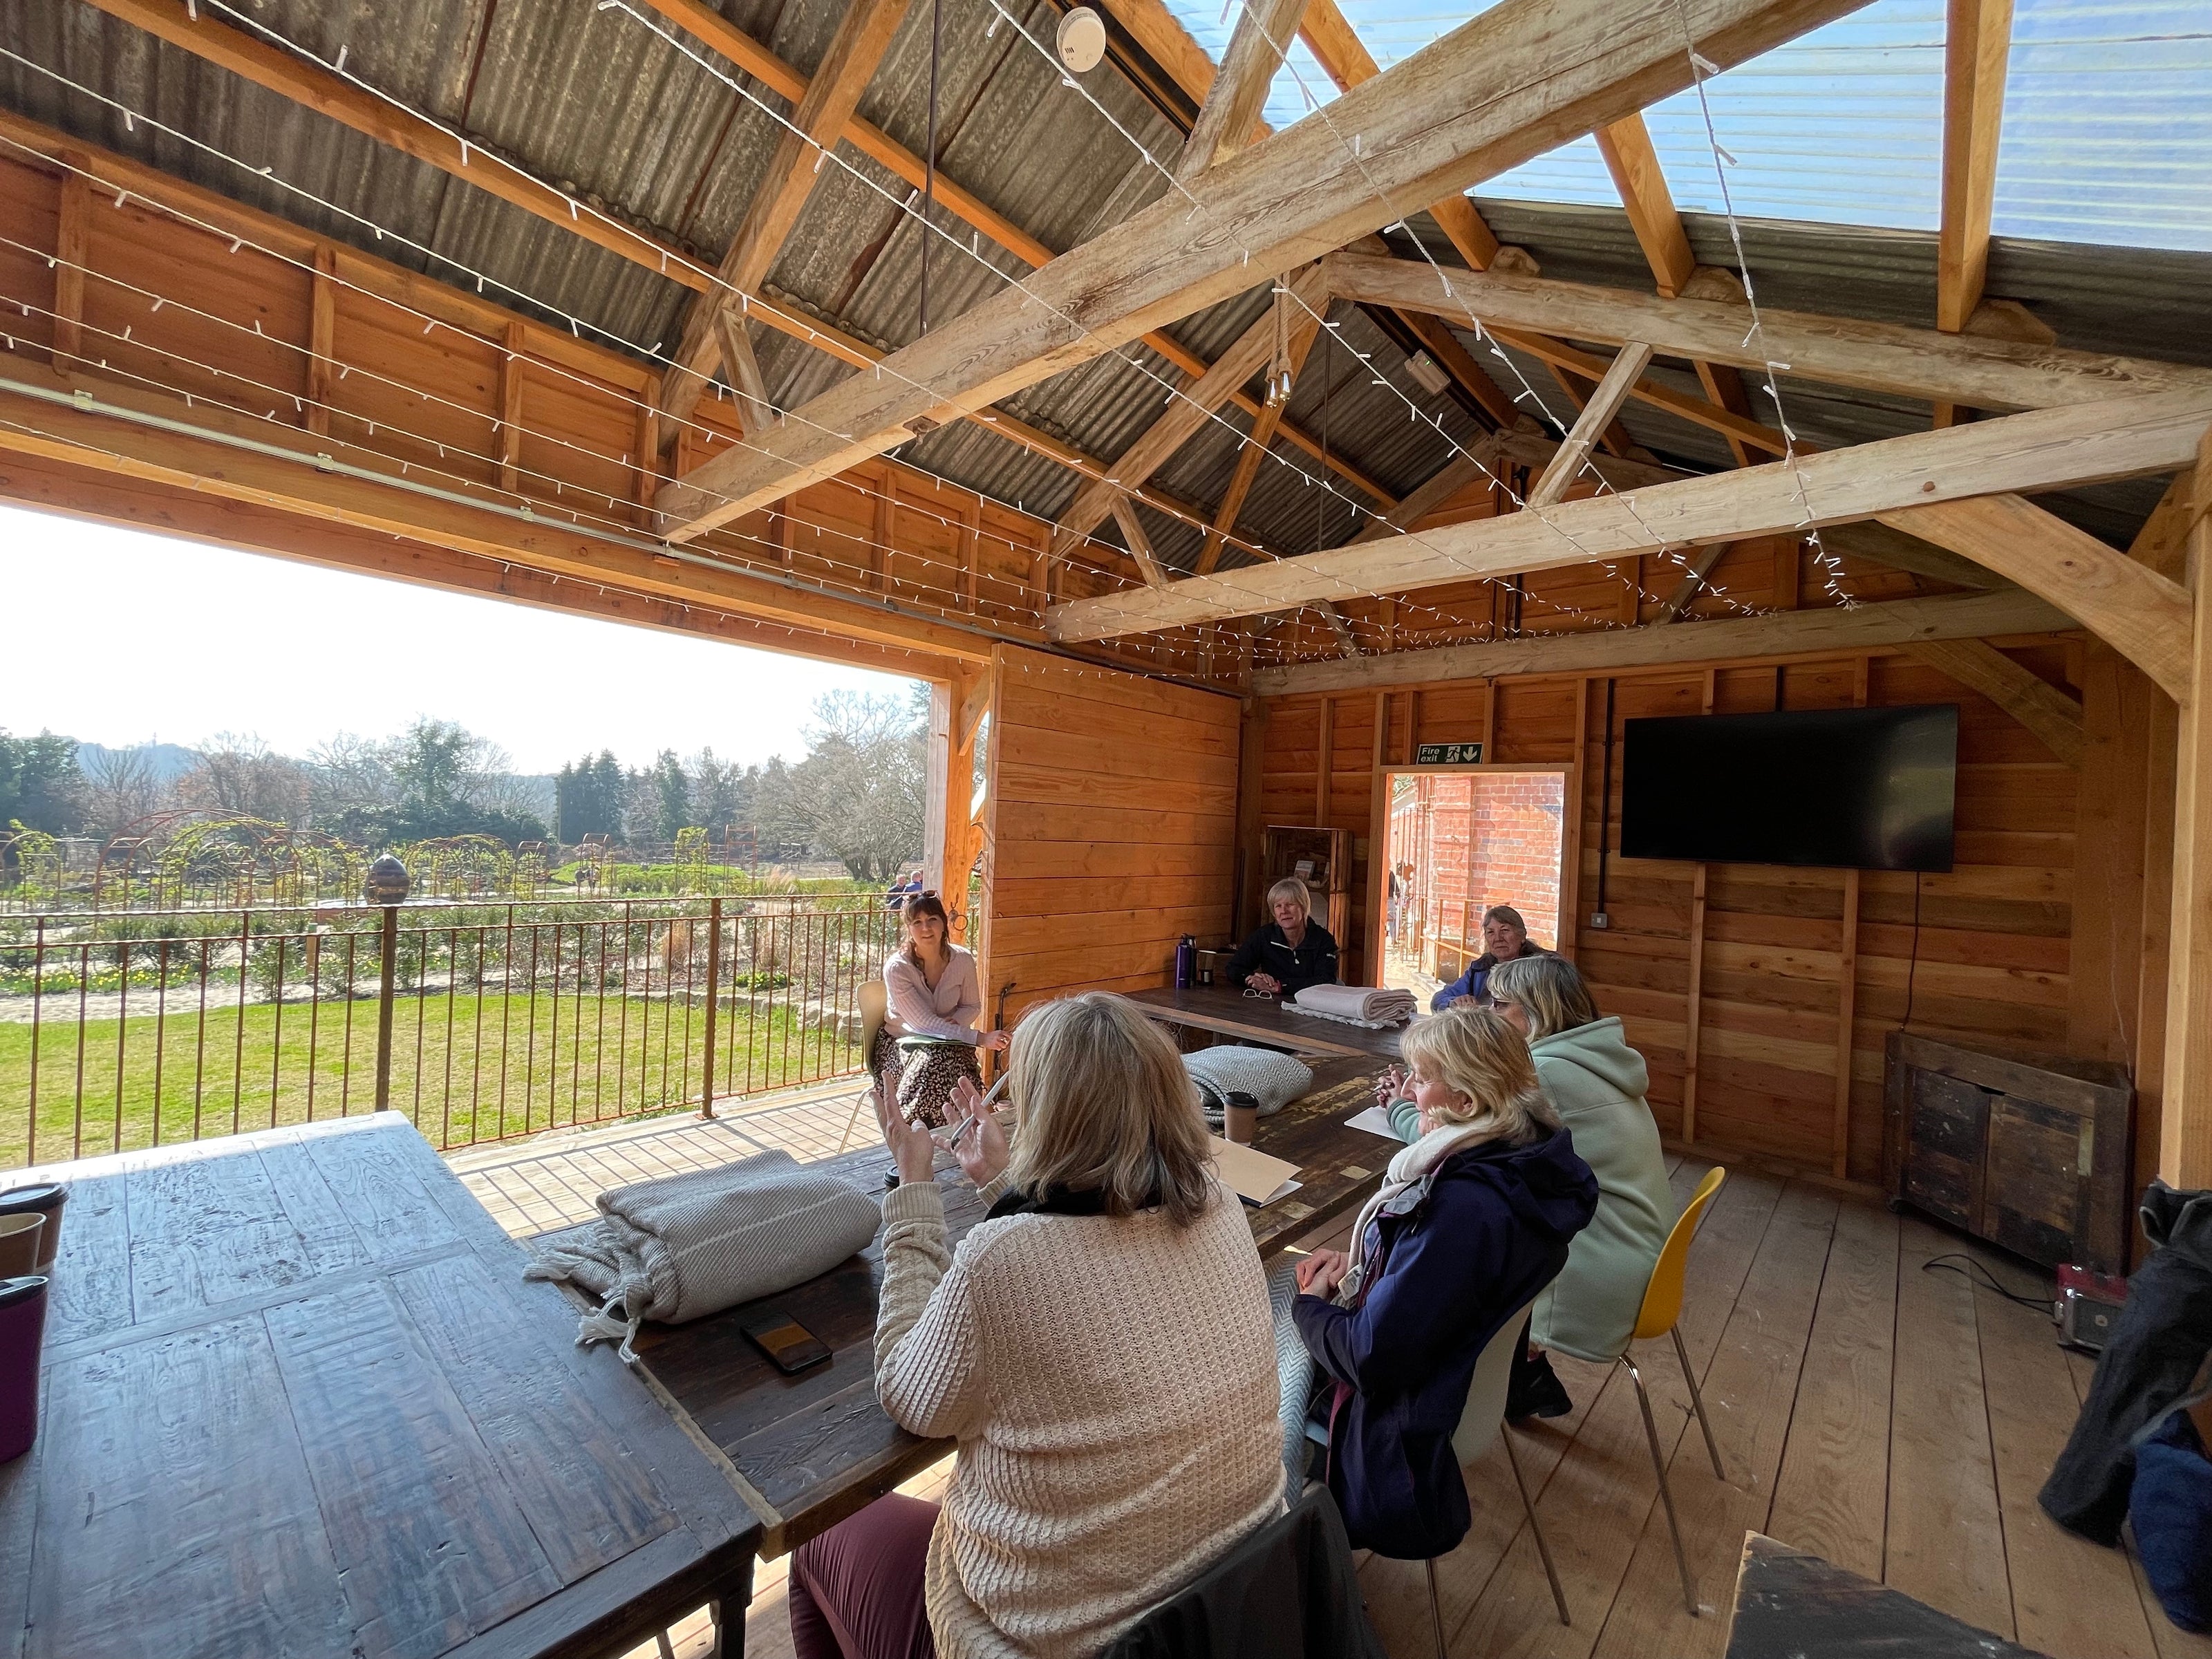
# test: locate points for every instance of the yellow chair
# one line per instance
(875, 1004)
(1663, 1309)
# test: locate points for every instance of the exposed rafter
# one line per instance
(1302, 337)
(1971, 368)
(1138, 544)
(1183, 418)
(1231, 109)
(1613, 390)
(1897, 479)
(1291, 198)
(1977, 43)
(863, 35)
(1784, 634)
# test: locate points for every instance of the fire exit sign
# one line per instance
(1447, 754)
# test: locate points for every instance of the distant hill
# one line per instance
(170, 761)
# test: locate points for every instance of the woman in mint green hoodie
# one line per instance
(1595, 1082)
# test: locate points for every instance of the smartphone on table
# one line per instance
(789, 1345)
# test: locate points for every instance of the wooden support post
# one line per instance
(1321, 759)
(1694, 994)
(2184, 1158)
(1789, 555)
(322, 342)
(1847, 974)
(971, 549)
(646, 454)
(72, 239)
(1571, 830)
(1631, 572)
(1489, 716)
(940, 809)
(1251, 760)
(510, 410)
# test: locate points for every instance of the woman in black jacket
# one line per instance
(1291, 952)
(1473, 1220)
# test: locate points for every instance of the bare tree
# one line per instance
(240, 773)
(860, 789)
(120, 786)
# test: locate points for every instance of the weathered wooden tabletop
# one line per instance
(299, 1401)
(817, 1447)
(1264, 1020)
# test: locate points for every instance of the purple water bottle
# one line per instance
(22, 1325)
(1186, 963)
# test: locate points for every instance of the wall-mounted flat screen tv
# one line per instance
(1863, 788)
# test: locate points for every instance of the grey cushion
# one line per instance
(1272, 1079)
(690, 1245)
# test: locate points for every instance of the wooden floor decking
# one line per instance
(1896, 1420)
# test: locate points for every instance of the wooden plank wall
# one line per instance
(1112, 827)
(1767, 952)
(308, 344)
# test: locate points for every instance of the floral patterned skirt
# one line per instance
(921, 1078)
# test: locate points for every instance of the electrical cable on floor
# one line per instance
(1966, 1267)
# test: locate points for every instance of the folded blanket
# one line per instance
(1383, 1006)
(690, 1245)
(1272, 1079)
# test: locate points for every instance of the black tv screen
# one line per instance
(1863, 788)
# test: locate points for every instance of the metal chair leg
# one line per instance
(1436, 1612)
(1665, 1493)
(1543, 1549)
(1698, 1401)
(860, 1101)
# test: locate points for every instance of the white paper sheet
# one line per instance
(1374, 1121)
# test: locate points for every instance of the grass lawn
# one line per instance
(464, 1068)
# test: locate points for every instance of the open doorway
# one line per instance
(1462, 840)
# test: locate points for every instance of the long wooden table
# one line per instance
(298, 1400)
(815, 1448)
(1264, 1020)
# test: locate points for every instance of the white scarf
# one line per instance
(1408, 1169)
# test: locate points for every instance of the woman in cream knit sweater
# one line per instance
(1100, 1347)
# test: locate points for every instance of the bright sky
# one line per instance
(118, 637)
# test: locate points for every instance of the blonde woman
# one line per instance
(1473, 1219)
(1595, 1082)
(1100, 1347)
(931, 991)
(1285, 955)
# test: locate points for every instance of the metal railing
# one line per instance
(479, 1022)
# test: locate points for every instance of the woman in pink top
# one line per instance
(932, 993)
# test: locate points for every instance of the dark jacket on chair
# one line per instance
(1448, 1262)
(1287, 1591)
(2159, 1342)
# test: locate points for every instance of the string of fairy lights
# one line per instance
(577, 324)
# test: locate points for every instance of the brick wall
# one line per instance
(1476, 840)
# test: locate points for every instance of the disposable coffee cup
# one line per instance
(47, 1198)
(20, 1238)
(1240, 1123)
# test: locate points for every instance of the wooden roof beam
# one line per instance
(1981, 371)
(1303, 334)
(1140, 544)
(1901, 481)
(1231, 109)
(1784, 633)
(1613, 390)
(1183, 417)
(863, 35)
(1291, 198)
(1976, 42)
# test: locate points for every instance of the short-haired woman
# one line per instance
(1100, 1347)
(931, 991)
(1473, 1219)
(1504, 938)
(1285, 955)
(1595, 1083)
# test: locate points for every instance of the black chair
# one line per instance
(1286, 1590)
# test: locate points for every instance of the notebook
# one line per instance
(1252, 1176)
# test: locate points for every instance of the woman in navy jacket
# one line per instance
(1473, 1220)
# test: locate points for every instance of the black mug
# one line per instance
(22, 1328)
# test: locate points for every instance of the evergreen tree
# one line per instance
(672, 792)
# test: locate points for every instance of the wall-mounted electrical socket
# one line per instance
(1599, 919)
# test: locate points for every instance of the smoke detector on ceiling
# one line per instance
(1081, 40)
